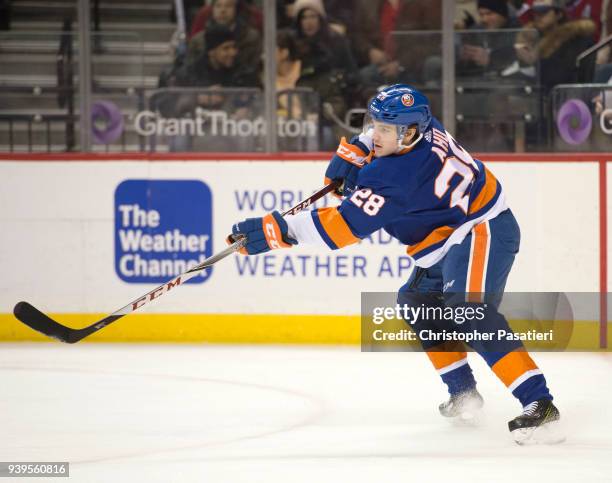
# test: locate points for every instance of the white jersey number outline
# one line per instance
(369, 202)
(459, 162)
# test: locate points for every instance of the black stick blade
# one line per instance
(35, 319)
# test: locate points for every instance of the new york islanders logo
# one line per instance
(407, 100)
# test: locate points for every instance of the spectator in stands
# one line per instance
(384, 59)
(488, 52)
(325, 55)
(288, 73)
(292, 73)
(339, 15)
(304, 61)
(217, 66)
(245, 11)
(294, 104)
(560, 41)
(214, 69)
(248, 40)
(574, 10)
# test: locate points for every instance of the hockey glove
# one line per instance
(346, 163)
(263, 234)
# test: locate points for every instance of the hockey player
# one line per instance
(405, 173)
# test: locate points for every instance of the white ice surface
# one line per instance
(175, 413)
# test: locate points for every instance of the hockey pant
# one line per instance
(473, 274)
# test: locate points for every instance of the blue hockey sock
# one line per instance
(532, 389)
(459, 379)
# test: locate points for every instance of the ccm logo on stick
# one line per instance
(298, 208)
(156, 293)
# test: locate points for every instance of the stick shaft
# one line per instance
(175, 282)
(37, 320)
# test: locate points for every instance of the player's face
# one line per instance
(385, 139)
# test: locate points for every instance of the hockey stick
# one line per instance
(35, 319)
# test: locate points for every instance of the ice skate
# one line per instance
(539, 424)
(464, 408)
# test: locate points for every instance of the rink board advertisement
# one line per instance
(156, 235)
(81, 239)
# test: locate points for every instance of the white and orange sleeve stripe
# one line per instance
(322, 227)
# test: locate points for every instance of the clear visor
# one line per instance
(371, 127)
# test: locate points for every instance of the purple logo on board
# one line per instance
(574, 121)
(106, 122)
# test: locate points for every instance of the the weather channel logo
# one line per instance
(162, 228)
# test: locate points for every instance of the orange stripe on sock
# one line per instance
(513, 365)
(440, 360)
(478, 262)
(336, 228)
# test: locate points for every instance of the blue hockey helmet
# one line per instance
(402, 106)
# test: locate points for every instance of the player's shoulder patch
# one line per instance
(428, 136)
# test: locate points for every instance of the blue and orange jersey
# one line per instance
(429, 197)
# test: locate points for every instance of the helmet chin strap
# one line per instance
(401, 146)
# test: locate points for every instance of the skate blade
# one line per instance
(549, 433)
